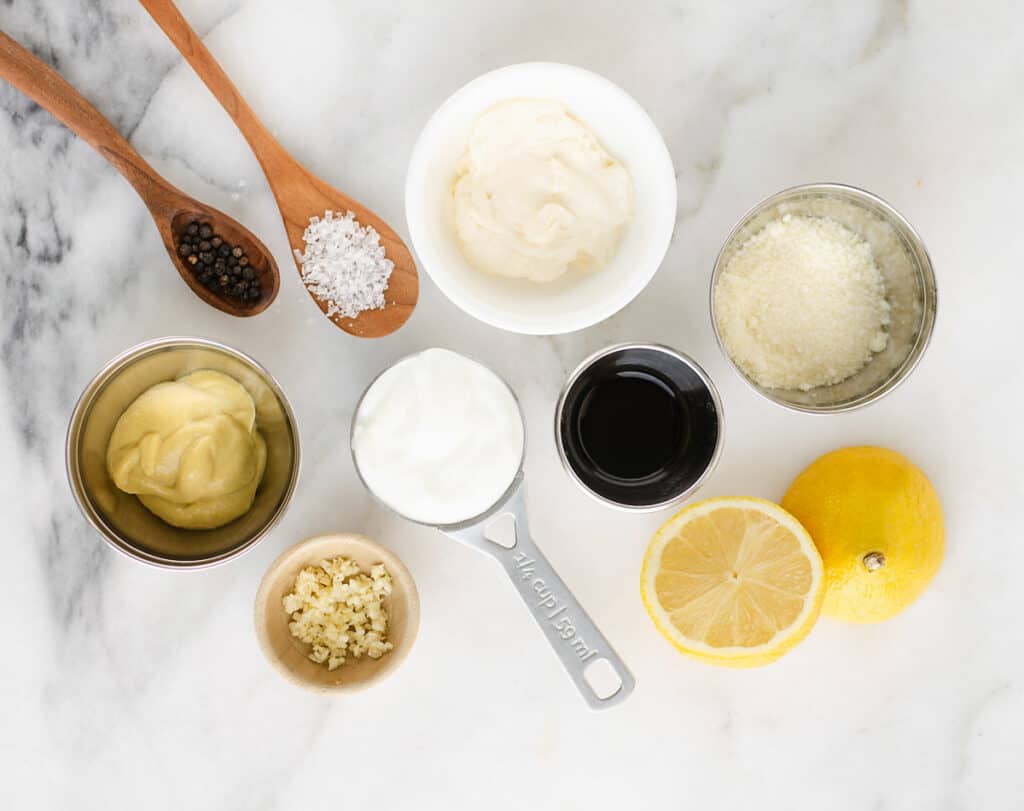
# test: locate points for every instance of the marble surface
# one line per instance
(125, 686)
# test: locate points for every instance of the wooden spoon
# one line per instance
(300, 195)
(171, 208)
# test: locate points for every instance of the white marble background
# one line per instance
(124, 686)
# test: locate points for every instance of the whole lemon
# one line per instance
(877, 522)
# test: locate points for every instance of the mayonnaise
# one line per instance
(536, 195)
(438, 438)
(190, 451)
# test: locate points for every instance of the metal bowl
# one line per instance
(646, 495)
(909, 279)
(119, 517)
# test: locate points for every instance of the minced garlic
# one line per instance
(338, 609)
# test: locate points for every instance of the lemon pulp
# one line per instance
(733, 581)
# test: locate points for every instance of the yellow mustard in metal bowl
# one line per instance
(189, 449)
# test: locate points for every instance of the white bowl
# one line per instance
(577, 300)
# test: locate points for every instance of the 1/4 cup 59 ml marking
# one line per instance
(553, 610)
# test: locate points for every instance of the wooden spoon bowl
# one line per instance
(299, 193)
(171, 208)
(264, 267)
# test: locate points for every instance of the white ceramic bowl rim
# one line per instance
(622, 126)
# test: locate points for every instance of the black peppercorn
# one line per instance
(218, 265)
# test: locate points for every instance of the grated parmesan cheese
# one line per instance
(338, 610)
(344, 264)
(802, 304)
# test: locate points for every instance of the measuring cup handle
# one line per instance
(574, 637)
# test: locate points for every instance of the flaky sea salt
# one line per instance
(344, 264)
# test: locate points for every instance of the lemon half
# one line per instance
(733, 581)
(877, 521)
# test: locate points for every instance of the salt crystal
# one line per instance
(344, 264)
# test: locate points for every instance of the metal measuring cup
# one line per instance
(573, 636)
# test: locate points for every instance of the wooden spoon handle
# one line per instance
(50, 90)
(271, 155)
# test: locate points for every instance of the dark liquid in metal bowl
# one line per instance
(639, 426)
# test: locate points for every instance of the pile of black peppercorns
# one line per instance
(219, 266)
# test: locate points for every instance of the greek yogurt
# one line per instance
(438, 438)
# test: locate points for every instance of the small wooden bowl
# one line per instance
(289, 656)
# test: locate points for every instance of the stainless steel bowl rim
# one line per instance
(917, 351)
(686, 360)
(101, 378)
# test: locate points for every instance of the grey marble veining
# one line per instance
(126, 687)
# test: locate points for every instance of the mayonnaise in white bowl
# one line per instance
(578, 299)
(537, 196)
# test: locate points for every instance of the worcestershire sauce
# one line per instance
(639, 426)
(631, 425)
